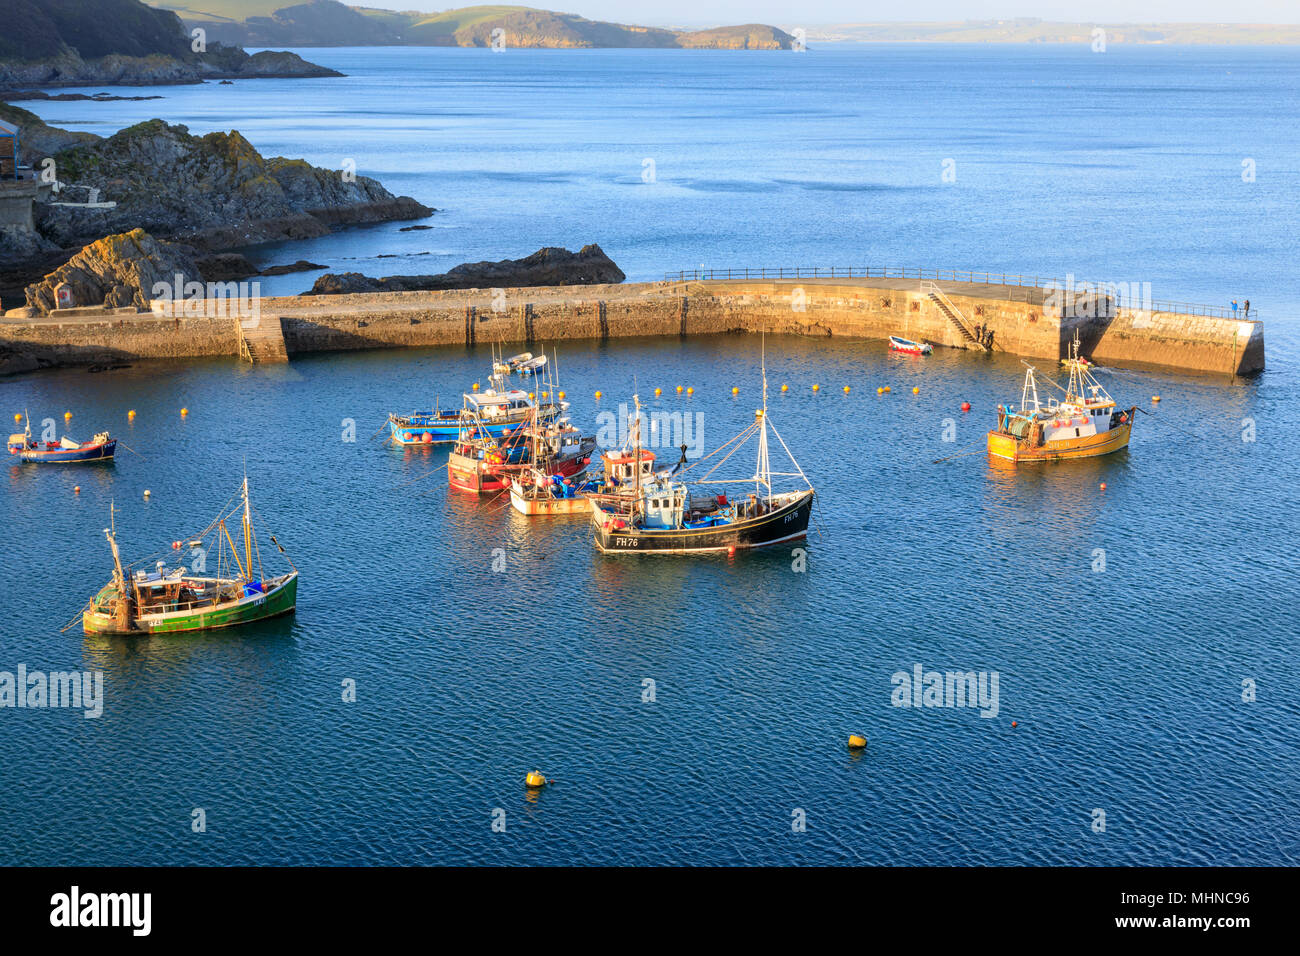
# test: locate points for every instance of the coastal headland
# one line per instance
(1026, 320)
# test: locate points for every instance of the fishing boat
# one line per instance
(532, 366)
(898, 344)
(534, 492)
(497, 411)
(481, 465)
(1083, 423)
(174, 600)
(65, 451)
(663, 516)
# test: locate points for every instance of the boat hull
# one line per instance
(1002, 445)
(909, 347)
(411, 429)
(788, 523)
(481, 477)
(282, 599)
(547, 507)
(103, 451)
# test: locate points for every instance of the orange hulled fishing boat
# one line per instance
(1084, 423)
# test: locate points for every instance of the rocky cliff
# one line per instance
(81, 42)
(548, 266)
(329, 23)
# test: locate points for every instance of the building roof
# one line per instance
(8, 129)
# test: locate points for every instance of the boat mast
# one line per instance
(248, 535)
(119, 576)
(763, 474)
(1031, 385)
(636, 453)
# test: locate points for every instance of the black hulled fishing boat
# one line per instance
(663, 516)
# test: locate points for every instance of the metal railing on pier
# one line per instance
(1077, 287)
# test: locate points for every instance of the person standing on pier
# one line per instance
(1234, 308)
(1246, 309)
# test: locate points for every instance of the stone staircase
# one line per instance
(262, 344)
(953, 314)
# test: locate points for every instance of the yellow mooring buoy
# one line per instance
(857, 741)
(785, 388)
(846, 390)
(658, 392)
(598, 395)
(1155, 398)
(916, 391)
(679, 389)
(17, 417)
(817, 388)
(690, 390)
(184, 412)
(735, 391)
(534, 779)
(67, 415)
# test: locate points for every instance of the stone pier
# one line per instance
(1023, 319)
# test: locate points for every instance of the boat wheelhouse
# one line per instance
(1084, 423)
(174, 600)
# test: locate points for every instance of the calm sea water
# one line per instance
(1125, 683)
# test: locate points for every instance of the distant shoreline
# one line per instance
(1031, 31)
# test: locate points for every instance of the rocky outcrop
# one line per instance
(549, 266)
(213, 192)
(117, 271)
(37, 139)
(228, 266)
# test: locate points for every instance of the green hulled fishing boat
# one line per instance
(167, 600)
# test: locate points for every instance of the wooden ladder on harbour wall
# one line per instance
(263, 344)
(954, 314)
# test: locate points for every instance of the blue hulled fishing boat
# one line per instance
(65, 451)
(496, 412)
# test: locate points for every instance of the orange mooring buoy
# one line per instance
(965, 406)
(1103, 486)
(1014, 724)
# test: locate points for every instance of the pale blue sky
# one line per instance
(809, 12)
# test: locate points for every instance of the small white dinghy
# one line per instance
(516, 361)
(907, 345)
